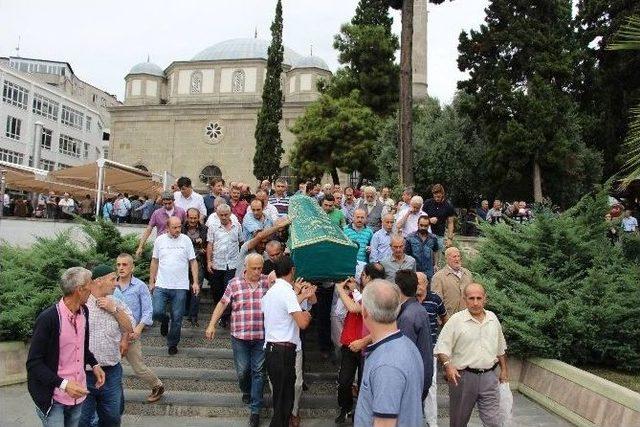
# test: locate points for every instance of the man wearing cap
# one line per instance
(110, 320)
(59, 352)
(159, 219)
(172, 259)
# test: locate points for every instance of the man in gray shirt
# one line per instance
(392, 380)
(398, 259)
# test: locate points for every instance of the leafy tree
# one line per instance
(610, 79)
(334, 134)
(266, 160)
(446, 150)
(366, 47)
(521, 64)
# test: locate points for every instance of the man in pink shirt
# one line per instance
(59, 351)
(159, 219)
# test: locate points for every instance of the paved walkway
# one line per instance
(17, 410)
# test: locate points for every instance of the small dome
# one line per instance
(311, 62)
(147, 68)
(246, 48)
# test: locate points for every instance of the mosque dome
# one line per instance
(147, 68)
(244, 48)
(311, 62)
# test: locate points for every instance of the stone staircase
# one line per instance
(200, 381)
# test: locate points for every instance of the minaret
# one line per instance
(419, 54)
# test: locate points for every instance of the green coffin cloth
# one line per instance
(320, 250)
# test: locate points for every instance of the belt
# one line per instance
(480, 371)
(284, 344)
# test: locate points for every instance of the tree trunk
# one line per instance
(335, 177)
(537, 182)
(406, 101)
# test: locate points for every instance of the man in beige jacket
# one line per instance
(450, 281)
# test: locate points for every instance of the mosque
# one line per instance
(197, 118)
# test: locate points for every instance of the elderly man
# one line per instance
(413, 322)
(136, 295)
(422, 245)
(172, 259)
(110, 322)
(186, 198)
(255, 220)
(67, 206)
(482, 211)
(470, 347)
(360, 234)
(449, 282)
(373, 208)
(381, 240)
(387, 201)
(494, 215)
(335, 215)
(247, 331)
(407, 219)
(59, 352)
(196, 231)
(279, 199)
(393, 371)
(159, 219)
(223, 250)
(283, 319)
(349, 205)
(398, 260)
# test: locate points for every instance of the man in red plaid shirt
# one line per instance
(247, 330)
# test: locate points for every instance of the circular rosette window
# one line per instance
(214, 133)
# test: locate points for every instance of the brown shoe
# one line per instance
(294, 421)
(156, 394)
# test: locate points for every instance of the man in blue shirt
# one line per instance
(421, 245)
(136, 296)
(393, 373)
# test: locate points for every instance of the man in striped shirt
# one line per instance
(247, 330)
(280, 200)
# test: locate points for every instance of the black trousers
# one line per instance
(323, 316)
(349, 364)
(281, 368)
(218, 283)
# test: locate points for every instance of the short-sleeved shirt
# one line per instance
(629, 224)
(277, 305)
(442, 211)
(391, 383)
(226, 245)
(281, 204)
(435, 308)
(160, 216)
(105, 333)
(471, 343)
(362, 238)
(251, 224)
(391, 266)
(173, 255)
(246, 307)
(195, 200)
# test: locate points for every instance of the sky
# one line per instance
(103, 40)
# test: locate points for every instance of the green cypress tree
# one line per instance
(266, 160)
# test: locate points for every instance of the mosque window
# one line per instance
(196, 82)
(214, 132)
(237, 80)
(285, 172)
(209, 172)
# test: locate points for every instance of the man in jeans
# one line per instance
(135, 294)
(247, 330)
(173, 256)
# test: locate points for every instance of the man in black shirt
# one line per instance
(441, 214)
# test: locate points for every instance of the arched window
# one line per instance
(196, 82)
(285, 172)
(354, 179)
(141, 167)
(209, 172)
(237, 81)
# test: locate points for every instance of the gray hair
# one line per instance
(416, 199)
(73, 278)
(223, 208)
(273, 243)
(381, 299)
(251, 257)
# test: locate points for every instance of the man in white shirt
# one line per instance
(187, 198)
(629, 223)
(407, 219)
(283, 319)
(67, 206)
(173, 256)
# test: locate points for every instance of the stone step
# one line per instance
(194, 337)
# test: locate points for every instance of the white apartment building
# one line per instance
(48, 114)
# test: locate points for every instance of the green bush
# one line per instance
(561, 289)
(29, 277)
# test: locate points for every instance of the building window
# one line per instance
(45, 107)
(196, 82)
(105, 152)
(86, 150)
(45, 141)
(11, 156)
(71, 117)
(15, 95)
(13, 128)
(237, 81)
(285, 172)
(94, 98)
(47, 165)
(88, 123)
(69, 146)
(63, 166)
(209, 172)
(214, 132)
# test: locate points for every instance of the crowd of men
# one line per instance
(387, 328)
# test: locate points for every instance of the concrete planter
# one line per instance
(13, 357)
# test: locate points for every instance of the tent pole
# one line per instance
(100, 163)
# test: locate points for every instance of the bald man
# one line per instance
(471, 345)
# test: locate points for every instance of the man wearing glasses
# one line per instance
(159, 219)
